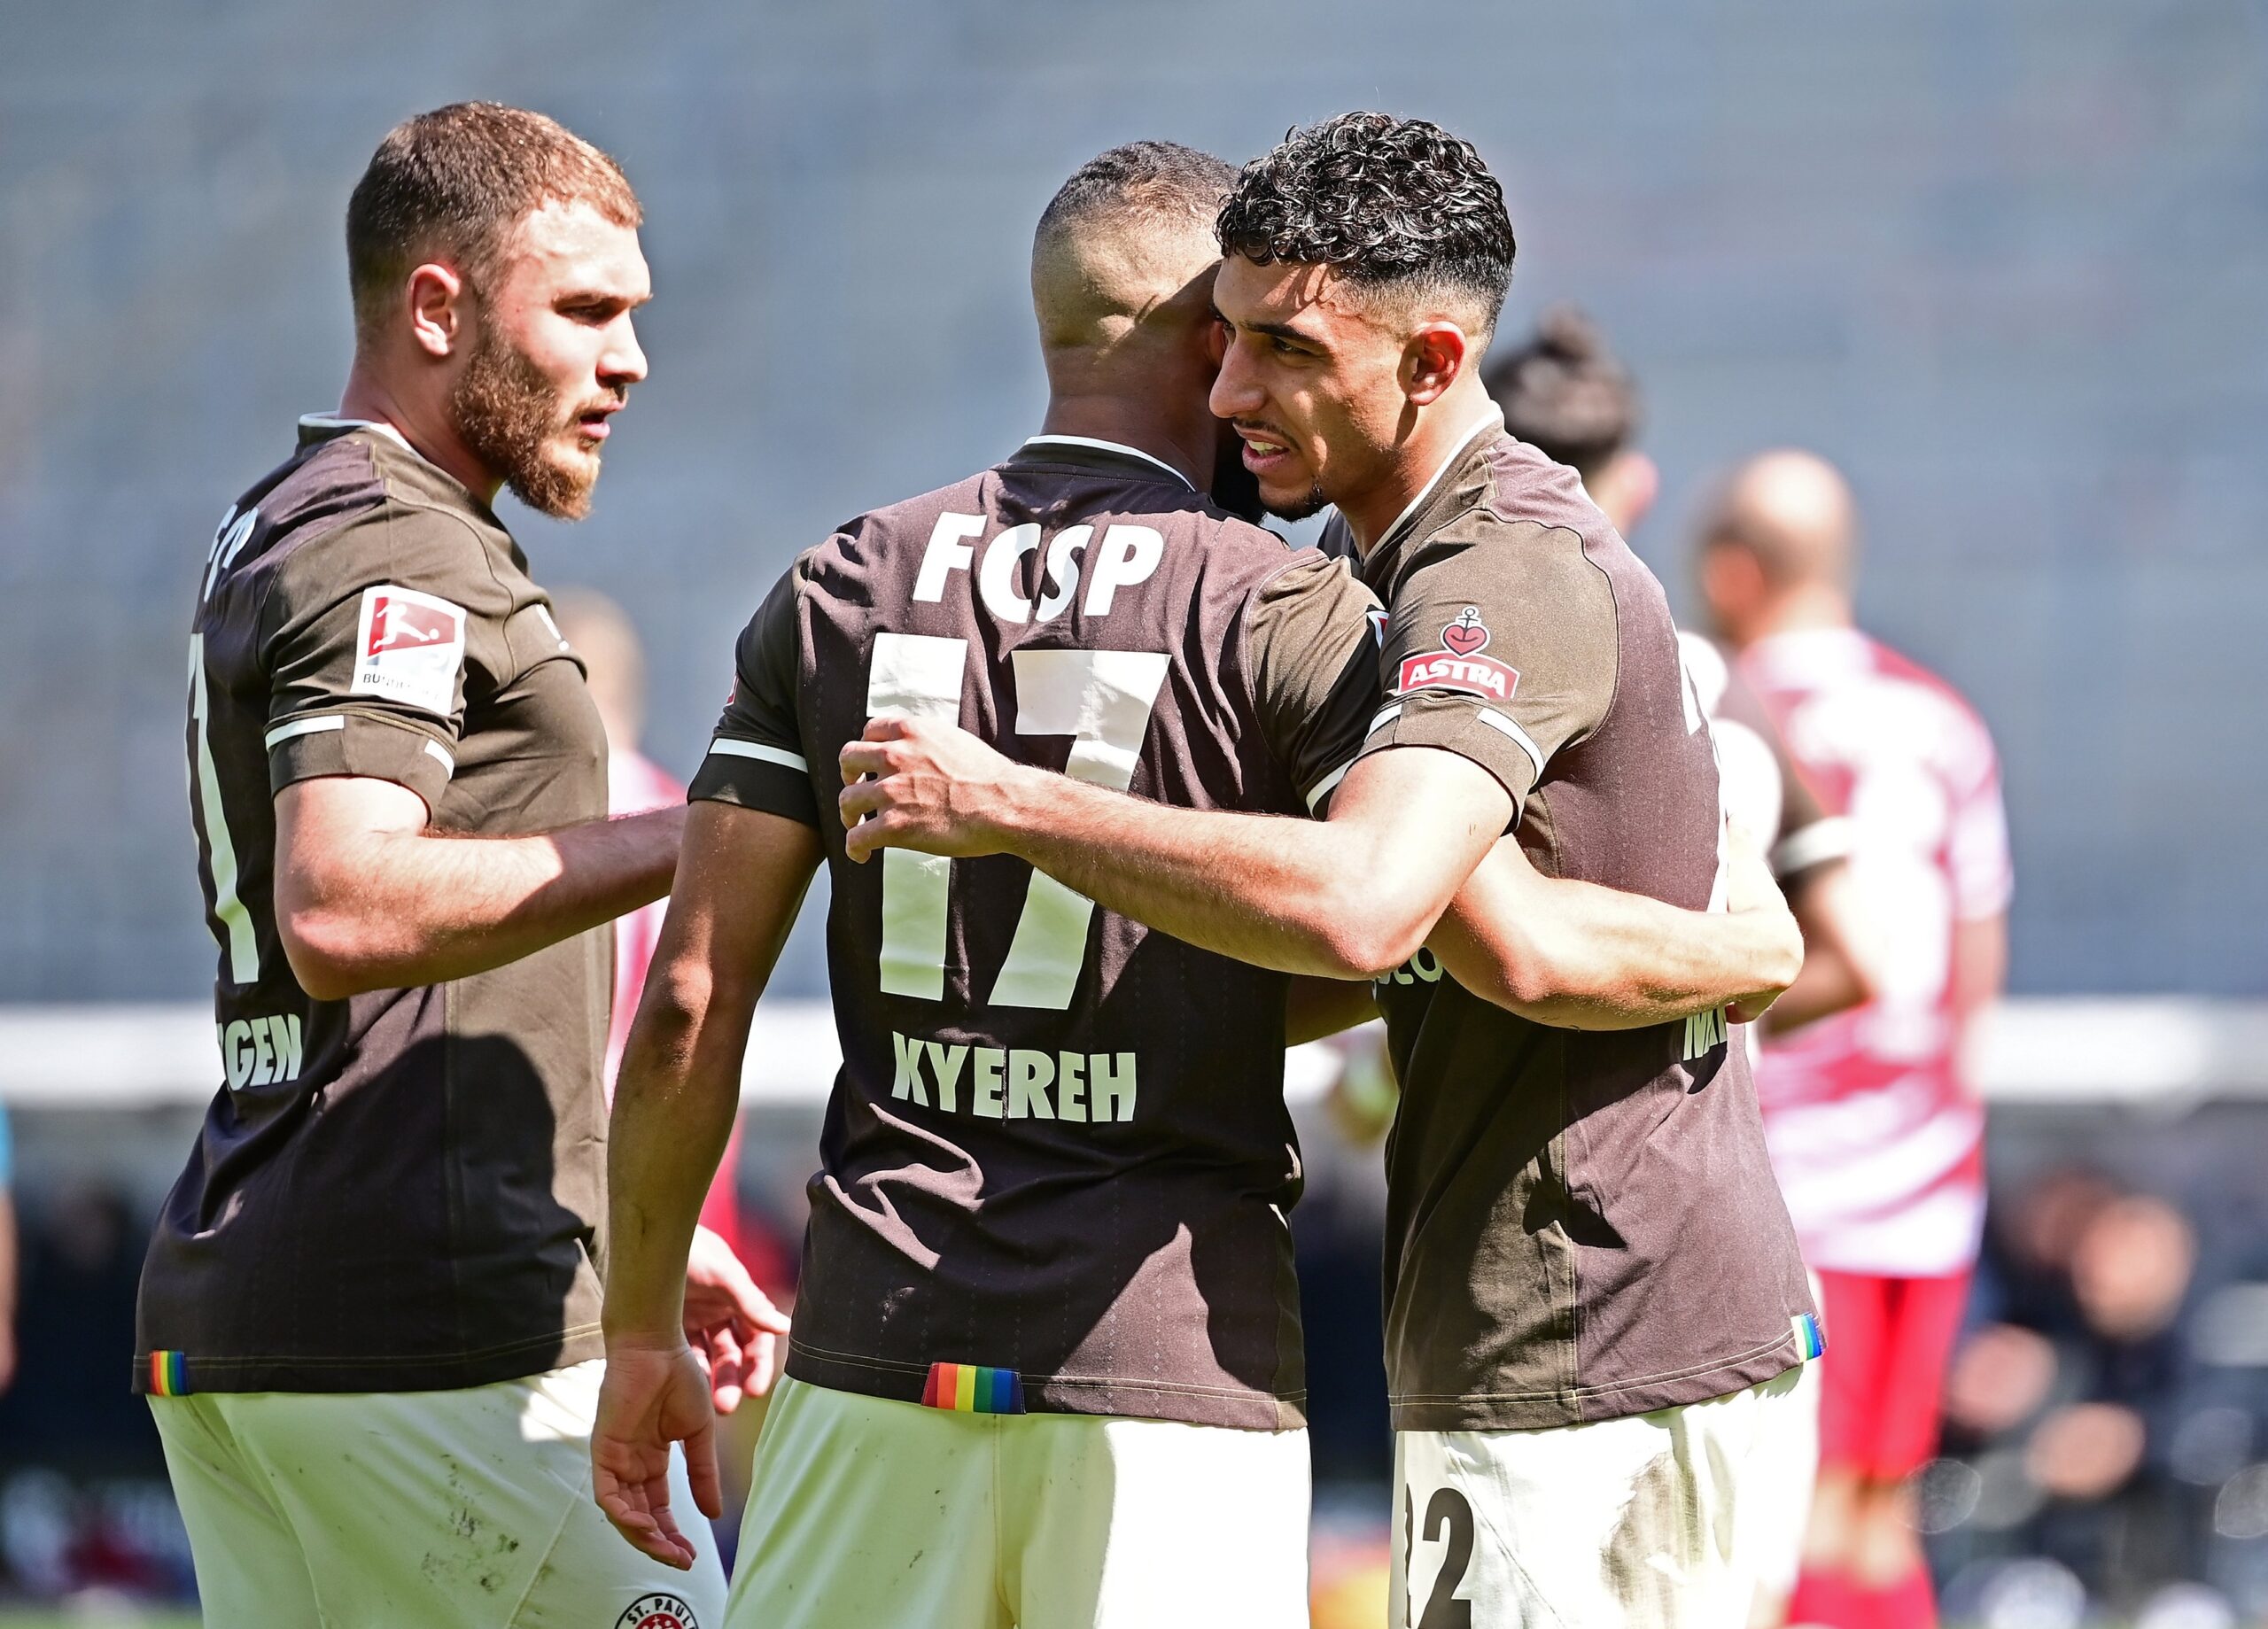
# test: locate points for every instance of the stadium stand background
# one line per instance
(2005, 265)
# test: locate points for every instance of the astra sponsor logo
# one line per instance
(1458, 665)
(1016, 1083)
(410, 648)
(260, 1051)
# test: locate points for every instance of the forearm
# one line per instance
(421, 908)
(1833, 980)
(1579, 957)
(673, 1109)
(1273, 891)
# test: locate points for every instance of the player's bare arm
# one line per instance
(369, 896)
(1347, 897)
(1577, 956)
(1343, 898)
(739, 887)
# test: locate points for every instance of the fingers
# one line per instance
(862, 758)
(725, 1367)
(625, 1509)
(763, 1355)
(701, 1470)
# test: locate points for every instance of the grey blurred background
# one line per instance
(2009, 265)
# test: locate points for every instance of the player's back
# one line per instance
(1874, 1135)
(1058, 1147)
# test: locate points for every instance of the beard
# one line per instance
(1297, 508)
(510, 417)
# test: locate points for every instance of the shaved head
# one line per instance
(1125, 249)
(1793, 512)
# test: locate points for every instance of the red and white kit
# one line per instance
(1877, 1142)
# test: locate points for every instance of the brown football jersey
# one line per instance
(400, 1191)
(1058, 1149)
(1581, 1225)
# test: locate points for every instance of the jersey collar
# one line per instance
(1490, 422)
(330, 424)
(1040, 444)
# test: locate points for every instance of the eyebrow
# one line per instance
(1281, 330)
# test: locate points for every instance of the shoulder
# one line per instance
(1963, 738)
(348, 518)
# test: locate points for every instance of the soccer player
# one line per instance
(1565, 394)
(1595, 1295)
(1877, 1139)
(1046, 1368)
(369, 1317)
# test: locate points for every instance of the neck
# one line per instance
(1133, 421)
(423, 424)
(1806, 607)
(1443, 426)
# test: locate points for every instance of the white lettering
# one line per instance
(263, 1069)
(947, 553)
(945, 1063)
(288, 1047)
(1029, 1074)
(995, 581)
(1110, 1077)
(236, 1052)
(1071, 1086)
(1129, 555)
(906, 1083)
(1062, 570)
(984, 1082)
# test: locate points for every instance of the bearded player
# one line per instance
(368, 1318)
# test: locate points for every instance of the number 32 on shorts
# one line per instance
(1103, 700)
(1448, 1523)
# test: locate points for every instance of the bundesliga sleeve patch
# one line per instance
(1458, 665)
(409, 648)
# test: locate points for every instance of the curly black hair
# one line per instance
(1385, 200)
(1563, 392)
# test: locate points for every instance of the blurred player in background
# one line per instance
(614, 663)
(10, 1253)
(1876, 1137)
(368, 1317)
(1565, 392)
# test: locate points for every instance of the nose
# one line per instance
(1236, 393)
(622, 362)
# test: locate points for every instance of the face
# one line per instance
(1312, 383)
(553, 355)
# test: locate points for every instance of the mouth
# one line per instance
(1265, 450)
(591, 423)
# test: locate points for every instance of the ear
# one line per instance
(1432, 360)
(438, 320)
(1732, 583)
(1628, 488)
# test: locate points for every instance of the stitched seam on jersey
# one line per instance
(1172, 1387)
(526, 1343)
(1636, 1383)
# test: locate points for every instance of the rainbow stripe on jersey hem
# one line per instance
(168, 1374)
(1810, 1337)
(971, 1388)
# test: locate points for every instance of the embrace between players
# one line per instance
(1113, 791)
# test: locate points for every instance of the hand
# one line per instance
(653, 1395)
(731, 1326)
(1751, 891)
(928, 785)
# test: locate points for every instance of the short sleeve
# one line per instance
(756, 758)
(365, 651)
(1984, 877)
(1500, 647)
(1311, 639)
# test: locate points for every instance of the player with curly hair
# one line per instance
(1595, 1298)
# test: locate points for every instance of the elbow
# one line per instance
(330, 955)
(1368, 934)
